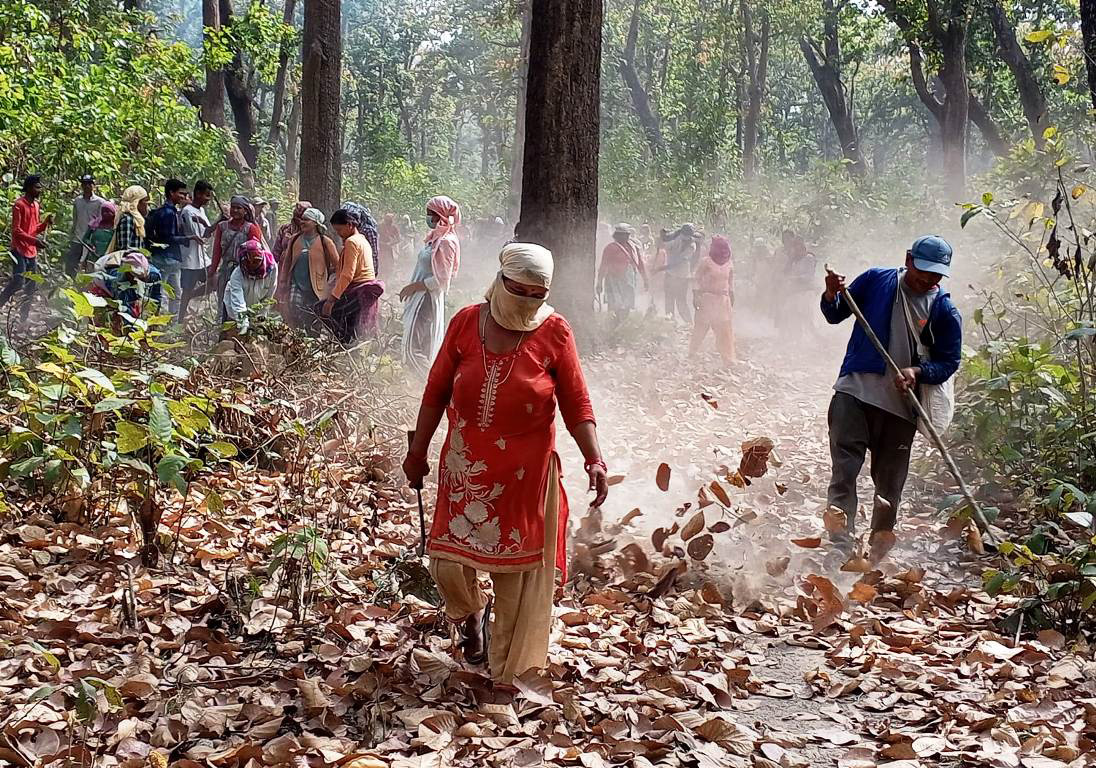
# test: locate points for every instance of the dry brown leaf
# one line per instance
(535, 687)
(720, 493)
(863, 593)
(700, 547)
(974, 539)
(662, 477)
(658, 538)
(694, 526)
(828, 601)
(856, 564)
(755, 457)
(808, 542)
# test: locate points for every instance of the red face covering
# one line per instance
(720, 250)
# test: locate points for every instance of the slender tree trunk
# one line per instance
(652, 127)
(947, 23)
(213, 100)
(1088, 33)
(517, 154)
(278, 108)
(980, 116)
(756, 44)
(293, 145)
(359, 132)
(321, 100)
(562, 137)
(953, 129)
(237, 77)
(1027, 84)
(825, 65)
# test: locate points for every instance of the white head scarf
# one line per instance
(523, 263)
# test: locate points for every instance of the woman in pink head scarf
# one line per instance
(713, 300)
(424, 297)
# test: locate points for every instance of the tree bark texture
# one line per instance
(562, 140)
(641, 101)
(213, 100)
(825, 65)
(517, 153)
(980, 116)
(278, 108)
(237, 77)
(293, 146)
(1088, 34)
(756, 44)
(1027, 84)
(321, 99)
(952, 39)
(947, 25)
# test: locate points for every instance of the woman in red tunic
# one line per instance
(501, 507)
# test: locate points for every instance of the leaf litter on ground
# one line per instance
(668, 650)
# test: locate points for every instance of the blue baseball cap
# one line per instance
(932, 253)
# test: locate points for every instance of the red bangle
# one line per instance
(598, 462)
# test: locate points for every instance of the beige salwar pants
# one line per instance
(714, 314)
(522, 613)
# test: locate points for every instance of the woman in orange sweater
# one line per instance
(356, 287)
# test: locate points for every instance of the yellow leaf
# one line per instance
(1077, 191)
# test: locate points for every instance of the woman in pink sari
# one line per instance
(713, 300)
(424, 297)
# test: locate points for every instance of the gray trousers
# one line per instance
(855, 429)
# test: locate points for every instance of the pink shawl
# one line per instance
(445, 258)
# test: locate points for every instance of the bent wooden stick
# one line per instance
(919, 409)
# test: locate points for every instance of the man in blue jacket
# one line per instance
(166, 239)
(869, 410)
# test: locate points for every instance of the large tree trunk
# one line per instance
(237, 77)
(652, 127)
(953, 73)
(213, 99)
(560, 184)
(825, 65)
(756, 44)
(321, 98)
(276, 111)
(947, 24)
(1088, 33)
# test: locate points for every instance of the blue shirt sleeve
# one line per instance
(947, 345)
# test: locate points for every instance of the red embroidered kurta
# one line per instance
(493, 473)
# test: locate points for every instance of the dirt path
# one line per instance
(763, 652)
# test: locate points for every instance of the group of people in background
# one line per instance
(318, 272)
(694, 278)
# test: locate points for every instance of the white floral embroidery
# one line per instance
(476, 511)
(474, 526)
(501, 443)
(488, 394)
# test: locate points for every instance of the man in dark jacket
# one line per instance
(869, 410)
(166, 239)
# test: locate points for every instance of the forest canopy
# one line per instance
(712, 109)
